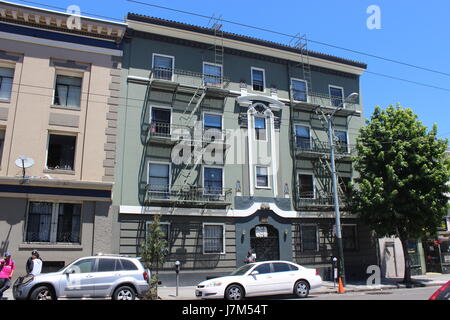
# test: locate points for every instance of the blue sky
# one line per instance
(415, 32)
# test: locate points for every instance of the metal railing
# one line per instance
(322, 99)
(315, 145)
(311, 199)
(164, 130)
(191, 78)
(188, 194)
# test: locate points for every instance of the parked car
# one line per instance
(443, 293)
(101, 276)
(260, 279)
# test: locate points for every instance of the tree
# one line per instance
(154, 251)
(402, 179)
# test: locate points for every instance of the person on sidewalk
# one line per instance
(7, 267)
(251, 257)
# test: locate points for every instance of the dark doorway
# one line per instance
(432, 253)
(264, 241)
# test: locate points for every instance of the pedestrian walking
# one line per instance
(251, 257)
(7, 267)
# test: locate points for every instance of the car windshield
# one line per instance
(242, 270)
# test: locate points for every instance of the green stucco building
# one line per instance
(223, 135)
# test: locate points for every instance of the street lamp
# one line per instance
(329, 118)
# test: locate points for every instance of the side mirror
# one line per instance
(254, 273)
(69, 271)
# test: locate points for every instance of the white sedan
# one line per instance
(261, 279)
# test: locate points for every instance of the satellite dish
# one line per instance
(24, 163)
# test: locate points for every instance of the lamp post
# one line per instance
(329, 118)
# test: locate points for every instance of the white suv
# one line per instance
(101, 276)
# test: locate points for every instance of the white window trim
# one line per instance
(161, 107)
(221, 127)
(68, 73)
(264, 78)
(254, 128)
(223, 180)
(160, 162)
(166, 56)
(314, 184)
(54, 221)
(317, 236)
(223, 235)
(343, 95)
(73, 134)
(306, 86)
(303, 125)
(346, 136)
(269, 185)
(215, 65)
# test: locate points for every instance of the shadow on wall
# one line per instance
(13, 212)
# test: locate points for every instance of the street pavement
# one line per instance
(388, 289)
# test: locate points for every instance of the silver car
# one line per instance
(101, 276)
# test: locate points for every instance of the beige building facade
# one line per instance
(59, 84)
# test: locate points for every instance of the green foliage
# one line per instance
(403, 173)
(154, 251)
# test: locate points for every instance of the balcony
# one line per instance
(313, 148)
(311, 201)
(186, 195)
(308, 101)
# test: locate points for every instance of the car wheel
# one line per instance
(234, 292)
(301, 289)
(124, 293)
(42, 293)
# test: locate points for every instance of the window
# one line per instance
(163, 67)
(303, 137)
(105, 265)
(292, 267)
(349, 238)
(2, 143)
(341, 144)
(212, 126)
(165, 228)
(69, 223)
(344, 183)
(67, 91)
(61, 152)
(258, 79)
(260, 128)
(213, 181)
(212, 74)
(6, 82)
(299, 90)
(309, 237)
(53, 222)
(336, 96)
(263, 268)
(83, 266)
(306, 186)
(280, 267)
(262, 177)
(159, 177)
(127, 265)
(213, 238)
(160, 121)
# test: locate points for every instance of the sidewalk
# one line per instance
(188, 292)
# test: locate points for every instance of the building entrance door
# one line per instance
(432, 253)
(265, 242)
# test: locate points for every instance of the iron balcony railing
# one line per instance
(186, 77)
(167, 131)
(310, 199)
(314, 145)
(316, 98)
(188, 194)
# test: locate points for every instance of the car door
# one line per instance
(283, 277)
(78, 279)
(260, 283)
(105, 276)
